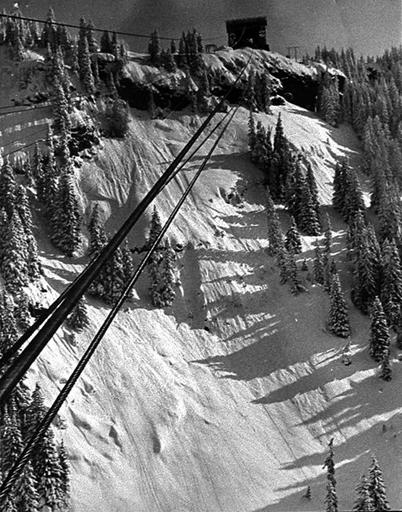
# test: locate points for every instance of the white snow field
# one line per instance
(226, 401)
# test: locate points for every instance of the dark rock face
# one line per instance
(297, 84)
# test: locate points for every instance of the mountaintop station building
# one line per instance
(247, 32)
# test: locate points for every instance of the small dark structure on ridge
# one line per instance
(247, 32)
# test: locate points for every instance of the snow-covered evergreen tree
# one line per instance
(379, 332)
(391, 286)
(27, 497)
(84, 60)
(293, 240)
(8, 326)
(78, 318)
(363, 502)
(377, 488)
(168, 292)
(13, 266)
(7, 187)
(318, 266)
(338, 318)
(128, 266)
(331, 500)
(66, 220)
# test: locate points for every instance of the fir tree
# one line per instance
(97, 235)
(65, 473)
(66, 221)
(21, 311)
(312, 185)
(106, 43)
(338, 320)
(275, 236)
(49, 472)
(167, 291)
(11, 443)
(363, 502)
(318, 266)
(47, 183)
(13, 265)
(377, 487)
(391, 287)
(78, 318)
(92, 42)
(7, 187)
(84, 60)
(379, 332)
(331, 500)
(386, 372)
(128, 266)
(61, 117)
(154, 49)
(8, 327)
(295, 284)
(282, 262)
(28, 499)
(293, 241)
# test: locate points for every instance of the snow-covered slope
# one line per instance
(226, 401)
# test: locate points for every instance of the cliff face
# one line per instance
(370, 26)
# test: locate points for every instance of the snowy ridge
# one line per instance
(226, 401)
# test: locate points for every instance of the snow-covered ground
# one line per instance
(226, 401)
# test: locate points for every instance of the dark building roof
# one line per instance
(261, 20)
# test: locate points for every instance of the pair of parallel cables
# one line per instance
(48, 323)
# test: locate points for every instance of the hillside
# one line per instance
(227, 400)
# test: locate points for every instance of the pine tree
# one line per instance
(295, 284)
(21, 310)
(386, 372)
(11, 443)
(106, 43)
(97, 235)
(84, 60)
(312, 185)
(66, 221)
(331, 500)
(8, 327)
(293, 241)
(318, 266)
(114, 278)
(363, 502)
(128, 266)
(376, 487)
(78, 318)
(92, 42)
(338, 320)
(379, 332)
(25, 491)
(275, 236)
(65, 473)
(391, 287)
(47, 183)
(13, 265)
(282, 262)
(338, 198)
(7, 187)
(49, 472)
(167, 292)
(61, 118)
(154, 49)
(49, 33)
